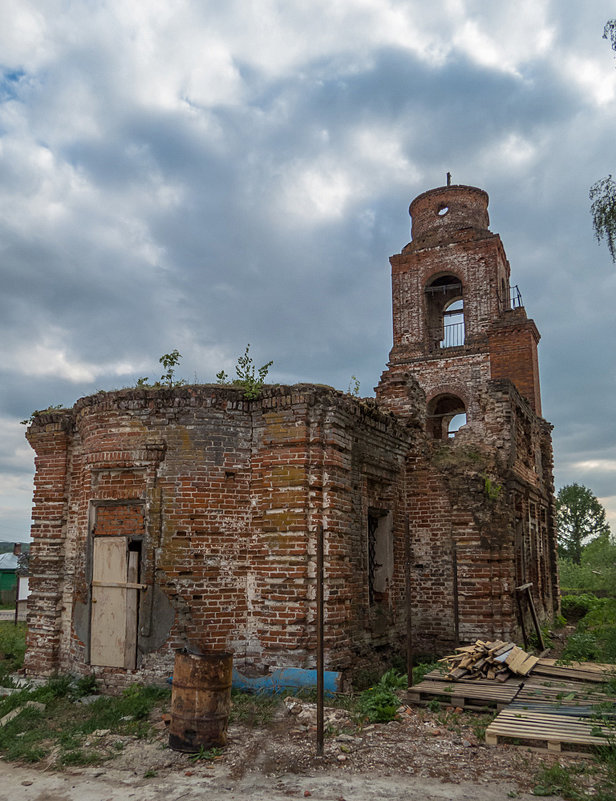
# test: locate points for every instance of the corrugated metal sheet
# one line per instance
(8, 561)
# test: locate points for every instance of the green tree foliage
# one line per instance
(596, 571)
(603, 192)
(580, 519)
(603, 209)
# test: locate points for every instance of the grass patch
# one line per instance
(60, 730)
(579, 782)
(12, 647)
(563, 781)
(253, 710)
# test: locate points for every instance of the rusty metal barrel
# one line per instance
(200, 700)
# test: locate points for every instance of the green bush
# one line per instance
(575, 607)
(581, 647)
(602, 613)
(595, 637)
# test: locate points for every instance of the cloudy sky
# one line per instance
(199, 174)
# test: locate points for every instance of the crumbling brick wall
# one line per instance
(221, 498)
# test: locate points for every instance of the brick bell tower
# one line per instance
(457, 321)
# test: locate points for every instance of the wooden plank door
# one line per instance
(113, 631)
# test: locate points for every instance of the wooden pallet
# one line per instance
(546, 731)
(561, 693)
(473, 695)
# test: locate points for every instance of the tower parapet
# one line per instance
(442, 212)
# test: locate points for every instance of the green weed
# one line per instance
(545, 634)
(378, 704)
(206, 754)
(365, 678)
(595, 637)
(420, 670)
(253, 710)
(559, 622)
(353, 387)
(557, 779)
(249, 377)
(79, 757)
(84, 686)
(393, 680)
(479, 724)
(491, 488)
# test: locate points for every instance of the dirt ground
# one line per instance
(422, 755)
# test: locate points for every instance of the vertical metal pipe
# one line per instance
(456, 600)
(409, 622)
(16, 597)
(319, 600)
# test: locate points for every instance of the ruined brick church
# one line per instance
(189, 515)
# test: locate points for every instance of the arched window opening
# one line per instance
(446, 415)
(456, 422)
(445, 312)
(453, 324)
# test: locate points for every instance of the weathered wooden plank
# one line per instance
(516, 659)
(436, 675)
(597, 667)
(570, 674)
(108, 624)
(132, 601)
(528, 664)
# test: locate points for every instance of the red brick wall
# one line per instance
(47, 550)
(513, 355)
(119, 520)
(225, 497)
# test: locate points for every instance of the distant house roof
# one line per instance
(8, 561)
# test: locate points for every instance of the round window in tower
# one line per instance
(443, 211)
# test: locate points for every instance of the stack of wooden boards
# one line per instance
(490, 660)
